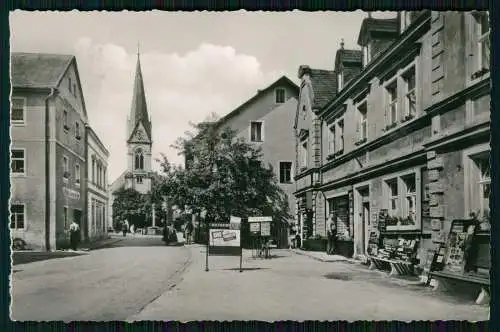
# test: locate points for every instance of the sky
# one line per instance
(193, 63)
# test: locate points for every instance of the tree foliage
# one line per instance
(129, 205)
(224, 176)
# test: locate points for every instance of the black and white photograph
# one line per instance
(239, 165)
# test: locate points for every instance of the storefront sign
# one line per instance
(71, 194)
(259, 219)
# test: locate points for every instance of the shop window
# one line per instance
(403, 201)
(18, 115)
(410, 95)
(393, 196)
(256, 131)
(17, 161)
(410, 202)
(285, 172)
(280, 96)
(480, 185)
(17, 216)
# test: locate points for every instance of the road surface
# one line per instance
(106, 284)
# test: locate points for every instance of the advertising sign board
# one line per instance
(225, 238)
(255, 228)
(265, 229)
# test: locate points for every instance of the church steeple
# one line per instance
(139, 109)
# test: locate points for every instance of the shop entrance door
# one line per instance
(365, 221)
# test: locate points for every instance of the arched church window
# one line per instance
(139, 159)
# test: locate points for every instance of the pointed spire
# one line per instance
(139, 109)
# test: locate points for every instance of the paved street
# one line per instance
(106, 284)
(294, 287)
(141, 279)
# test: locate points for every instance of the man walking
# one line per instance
(74, 235)
(331, 234)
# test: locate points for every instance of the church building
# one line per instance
(139, 143)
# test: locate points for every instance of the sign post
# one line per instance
(224, 239)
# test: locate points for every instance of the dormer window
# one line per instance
(366, 55)
(280, 96)
(70, 85)
(340, 81)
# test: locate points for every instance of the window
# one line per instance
(74, 90)
(392, 185)
(18, 110)
(304, 154)
(256, 131)
(409, 208)
(331, 139)
(481, 184)
(139, 159)
(280, 96)
(139, 179)
(77, 174)
(410, 97)
(65, 119)
(340, 81)
(482, 28)
(65, 167)
(366, 54)
(17, 164)
(340, 136)
(70, 86)
(104, 177)
(77, 130)
(402, 199)
(285, 172)
(392, 107)
(362, 125)
(17, 216)
(93, 170)
(65, 217)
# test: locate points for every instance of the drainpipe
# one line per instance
(47, 169)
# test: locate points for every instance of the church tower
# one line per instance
(139, 138)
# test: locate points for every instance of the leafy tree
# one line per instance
(128, 205)
(224, 177)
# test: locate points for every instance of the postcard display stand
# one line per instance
(398, 255)
(452, 259)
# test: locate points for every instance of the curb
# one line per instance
(103, 244)
(343, 260)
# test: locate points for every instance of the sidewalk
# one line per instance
(324, 257)
(28, 256)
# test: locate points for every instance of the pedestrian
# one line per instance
(124, 228)
(74, 235)
(189, 231)
(331, 234)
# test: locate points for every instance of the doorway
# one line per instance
(362, 218)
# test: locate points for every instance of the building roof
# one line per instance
(96, 138)
(324, 85)
(38, 70)
(139, 109)
(389, 25)
(281, 81)
(348, 56)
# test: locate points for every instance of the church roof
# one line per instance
(139, 109)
